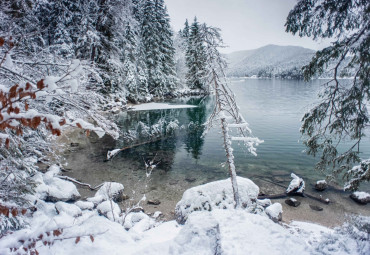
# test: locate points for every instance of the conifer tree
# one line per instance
(195, 58)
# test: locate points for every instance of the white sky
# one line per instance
(245, 24)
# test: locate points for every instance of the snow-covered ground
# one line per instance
(101, 228)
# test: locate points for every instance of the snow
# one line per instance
(219, 231)
(112, 153)
(110, 190)
(52, 188)
(321, 182)
(70, 209)
(274, 211)
(159, 106)
(297, 185)
(361, 195)
(110, 210)
(85, 205)
(213, 195)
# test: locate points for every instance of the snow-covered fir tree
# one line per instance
(195, 57)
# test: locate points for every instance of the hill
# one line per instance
(269, 61)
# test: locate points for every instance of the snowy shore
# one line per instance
(209, 225)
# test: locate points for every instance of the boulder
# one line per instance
(70, 209)
(360, 197)
(292, 202)
(321, 185)
(215, 195)
(275, 212)
(296, 186)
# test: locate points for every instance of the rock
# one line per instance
(215, 195)
(137, 209)
(174, 182)
(275, 212)
(70, 209)
(75, 144)
(153, 202)
(190, 179)
(111, 190)
(85, 205)
(109, 209)
(292, 202)
(360, 197)
(125, 197)
(296, 186)
(321, 185)
(316, 208)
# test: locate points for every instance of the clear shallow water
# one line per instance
(273, 109)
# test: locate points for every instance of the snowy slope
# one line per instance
(270, 59)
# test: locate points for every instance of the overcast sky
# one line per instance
(245, 24)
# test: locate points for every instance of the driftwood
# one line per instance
(78, 182)
(132, 146)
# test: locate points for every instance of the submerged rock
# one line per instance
(292, 202)
(360, 197)
(275, 212)
(215, 195)
(190, 179)
(321, 185)
(153, 202)
(316, 208)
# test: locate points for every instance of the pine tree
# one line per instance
(195, 58)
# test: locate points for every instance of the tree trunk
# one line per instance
(230, 161)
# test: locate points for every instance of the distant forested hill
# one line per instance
(269, 61)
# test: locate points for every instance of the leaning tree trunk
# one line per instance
(230, 161)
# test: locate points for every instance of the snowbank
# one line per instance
(215, 195)
(110, 190)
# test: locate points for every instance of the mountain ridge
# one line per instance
(269, 61)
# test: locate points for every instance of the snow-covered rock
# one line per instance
(264, 202)
(111, 190)
(85, 205)
(296, 186)
(53, 189)
(361, 197)
(275, 212)
(96, 199)
(321, 185)
(110, 210)
(215, 195)
(138, 222)
(70, 209)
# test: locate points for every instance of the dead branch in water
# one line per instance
(67, 178)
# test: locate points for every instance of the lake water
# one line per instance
(273, 109)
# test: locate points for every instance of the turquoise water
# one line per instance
(184, 158)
